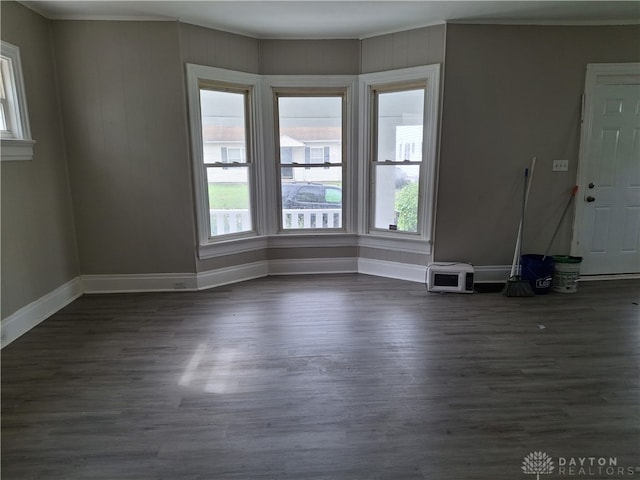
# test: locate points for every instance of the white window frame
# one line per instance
(422, 241)
(17, 143)
(209, 246)
(307, 83)
(309, 164)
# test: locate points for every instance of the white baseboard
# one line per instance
(34, 313)
(400, 271)
(302, 266)
(227, 275)
(416, 273)
(151, 282)
(491, 273)
(500, 274)
(615, 276)
(31, 315)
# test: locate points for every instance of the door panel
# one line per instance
(610, 224)
(631, 230)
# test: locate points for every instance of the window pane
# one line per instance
(310, 129)
(233, 155)
(396, 197)
(312, 198)
(3, 93)
(223, 126)
(5, 107)
(3, 118)
(286, 157)
(229, 200)
(400, 124)
(310, 133)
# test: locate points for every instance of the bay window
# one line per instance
(276, 156)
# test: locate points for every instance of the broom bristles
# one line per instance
(516, 287)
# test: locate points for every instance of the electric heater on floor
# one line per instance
(455, 277)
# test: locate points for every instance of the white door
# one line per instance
(608, 210)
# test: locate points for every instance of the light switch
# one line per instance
(560, 165)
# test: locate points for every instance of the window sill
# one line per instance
(16, 150)
(312, 240)
(299, 240)
(231, 247)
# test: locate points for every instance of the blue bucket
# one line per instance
(538, 271)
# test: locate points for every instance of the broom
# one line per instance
(574, 190)
(516, 286)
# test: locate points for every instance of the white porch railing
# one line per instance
(229, 221)
(308, 218)
(233, 221)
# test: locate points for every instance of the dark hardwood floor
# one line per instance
(332, 377)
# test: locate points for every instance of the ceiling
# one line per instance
(340, 19)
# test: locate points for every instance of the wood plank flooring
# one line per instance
(332, 377)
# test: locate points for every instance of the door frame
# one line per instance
(597, 74)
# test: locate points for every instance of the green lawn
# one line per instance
(228, 196)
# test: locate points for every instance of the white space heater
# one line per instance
(455, 277)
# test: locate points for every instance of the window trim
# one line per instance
(428, 75)
(19, 145)
(198, 76)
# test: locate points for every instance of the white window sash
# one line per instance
(17, 143)
(347, 85)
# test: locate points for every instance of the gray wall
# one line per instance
(213, 48)
(309, 57)
(124, 111)
(511, 93)
(39, 250)
(412, 48)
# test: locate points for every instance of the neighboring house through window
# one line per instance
(233, 155)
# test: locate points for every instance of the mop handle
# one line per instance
(574, 190)
(528, 176)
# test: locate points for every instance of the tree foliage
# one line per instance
(407, 207)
